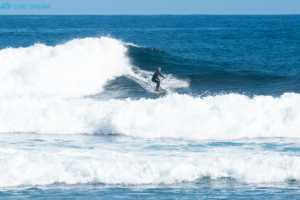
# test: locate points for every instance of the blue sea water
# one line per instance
(79, 118)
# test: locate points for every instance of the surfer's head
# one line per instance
(158, 69)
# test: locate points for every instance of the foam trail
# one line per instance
(144, 79)
(231, 116)
(73, 166)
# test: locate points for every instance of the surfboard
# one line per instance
(161, 92)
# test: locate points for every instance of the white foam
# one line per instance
(77, 68)
(116, 166)
(231, 116)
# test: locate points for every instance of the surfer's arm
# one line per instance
(162, 75)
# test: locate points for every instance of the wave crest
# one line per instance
(74, 69)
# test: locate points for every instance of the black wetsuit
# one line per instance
(156, 80)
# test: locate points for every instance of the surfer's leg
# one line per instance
(157, 85)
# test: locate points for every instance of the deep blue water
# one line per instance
(79, 118)
(240, 54)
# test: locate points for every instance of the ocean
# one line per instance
(79, 118)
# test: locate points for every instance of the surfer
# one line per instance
(155, 78)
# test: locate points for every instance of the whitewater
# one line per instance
(108, 163)
(79, 117)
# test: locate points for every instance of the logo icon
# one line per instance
(5, 6)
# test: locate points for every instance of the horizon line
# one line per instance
(145, 14)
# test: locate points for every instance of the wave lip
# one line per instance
(74, 69)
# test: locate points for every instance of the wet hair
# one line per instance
(158, 68)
